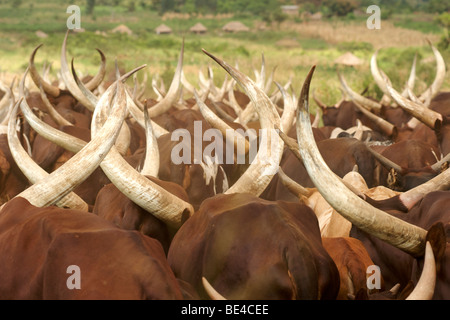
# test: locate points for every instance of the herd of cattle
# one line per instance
(354, 208)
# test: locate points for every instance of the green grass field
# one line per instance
(292, 47)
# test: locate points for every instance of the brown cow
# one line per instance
(250, 248)
(13, 180)
(413, 164)
(38, 245)
(432, 209)
(399, 240)
(353, 262)
(341, 154)
(114, 206)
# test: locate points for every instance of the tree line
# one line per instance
(263, 8)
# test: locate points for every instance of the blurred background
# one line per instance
(292, 35)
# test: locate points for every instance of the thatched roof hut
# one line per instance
(235, 26)
(198, 28)
(316, 16)
(41, 34)
(163, 29)
(348, 59)
(122, 29)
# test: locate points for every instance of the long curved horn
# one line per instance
(69, 81)
(318, 101)
(288, 116)
(135, 186)
(138, 115)
(148, 195)
(82, 87)
(186, 84)
(376, 74)
(293, 146)
(59, 119)
(270, 80)
(98, 78)
(262, 169)
(151, 164)
(317, 118)
(429, 117)
(213, 294)
(232, 102)
(424, 289)
(440, 182)
(38, 80)
(7, 103)
(32, 170)
(219, 124)
(88, 94)
(173, 92)
(438, 165)
(388, 164)
(50, 133)
(42, 128)
(440, 75)
(63, 180)
(388, 128)
(159, 94)
(295, 188)
(367, 103)
(261, 76)
(412, 79)
(394, 231)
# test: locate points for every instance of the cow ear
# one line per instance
(438, 239)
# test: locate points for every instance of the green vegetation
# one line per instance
(289, 44)
(444, 20)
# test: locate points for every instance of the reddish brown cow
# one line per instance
(249, 248)
(13, 180)
(353, 262)
(42, 243)
(396, 241)
(114, 206)
(399, 267)
(345, 116)
(413, 160)
(340, 154)
(441, 104)
(191, 176)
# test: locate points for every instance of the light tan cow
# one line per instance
(331, 223)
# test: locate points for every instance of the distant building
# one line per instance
(316, 16)
(163, 29)
(41, 34)
(235, 26)
(122, 29)
(198, 28)
(348, 59)
(290, 10)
